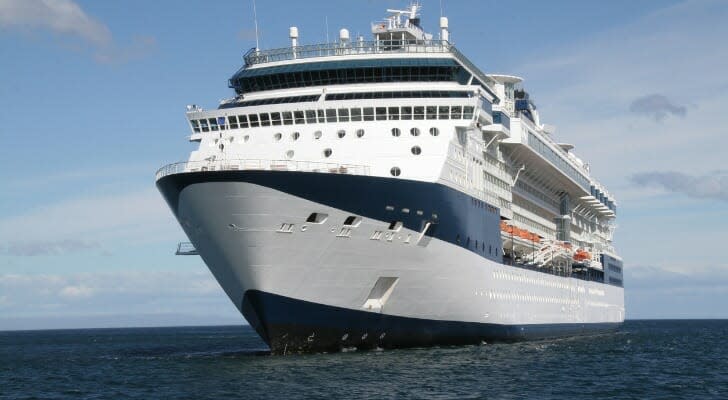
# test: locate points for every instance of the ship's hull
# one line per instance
(307, 286)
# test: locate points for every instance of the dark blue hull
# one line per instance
(289, 325)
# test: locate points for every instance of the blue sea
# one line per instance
(645, 359)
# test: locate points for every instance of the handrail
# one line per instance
(260, 165)
(256, 56)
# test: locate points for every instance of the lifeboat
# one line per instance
(582, 255)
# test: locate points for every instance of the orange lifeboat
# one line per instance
(582, 255)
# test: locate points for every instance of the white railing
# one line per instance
(260, 165)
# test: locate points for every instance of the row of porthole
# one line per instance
(396, 132)
(416, 150)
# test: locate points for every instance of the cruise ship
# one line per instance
(386, 192)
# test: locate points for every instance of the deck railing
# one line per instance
(260, 165)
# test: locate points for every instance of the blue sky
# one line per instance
(92, 103)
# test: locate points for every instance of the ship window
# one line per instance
(359, 132)
(213, 124)
(233, 121)
(457, 239)
(352, 220)
(330, 115)
(395, 226)
(341, 133)
(444, 112)
(295, 135)
(327, 153)
(393, 113)
(381, 113)
(395, 171)
(195, 125)
(246, 138)
(356, 114)
(396, 132)
(419, 113)
(343, 115)
(456, 112)
(277, 136)
(203, 124)
(287, 118)
(264, 119)
(317, 218)
(289, 154)
(434, 131)
(253, 118)
(431, 112)
(275, 118)
(320, 115)
(415, 132)
(468, 112)
(243, 121)
(368, 114)
(317, 135)
(310, 116)
(406, 113)
(298, 117)
(416, 150)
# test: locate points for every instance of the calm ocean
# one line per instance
(645, 359)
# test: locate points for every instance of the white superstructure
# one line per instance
(390, 193)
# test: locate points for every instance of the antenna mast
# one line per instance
(255, 20)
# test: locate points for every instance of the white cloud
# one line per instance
(78, 291)
(59, 16)
(66, 18)
(84, 222)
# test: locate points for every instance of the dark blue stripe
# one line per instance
(290, 325)
(458, 218)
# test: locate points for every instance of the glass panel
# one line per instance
(394, 113)
(243, 121)
(456, 112)
(381, 113)
(213, 124)
(253, 118)
(406, 112)
(264, 119)
(287, 118)
(298, 117)
(444, 112)
(468, 112)
(195, 125)
(233, 121)
(275, 118)
(419, 113)
(310, 116)
(203, 123)
(330, 115)
(343, 115)
(356, 114)
(368, 114)
(320, 115)
(431, 112)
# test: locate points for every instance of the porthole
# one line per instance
(289, 154)
(415, 132)
(395, 171)
(246, 138)
(277, 136)
(295, 135)
(434, 131)
(317, 135)
(416, 150)
(396, 132)
(341, 133)
(231, 139)
(327, 153)
(359, 132)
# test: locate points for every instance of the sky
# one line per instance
(93, 99)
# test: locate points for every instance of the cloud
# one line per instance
(66, 18)
(656, 106)
(710, 186)
(79, 291)
(47, 247)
